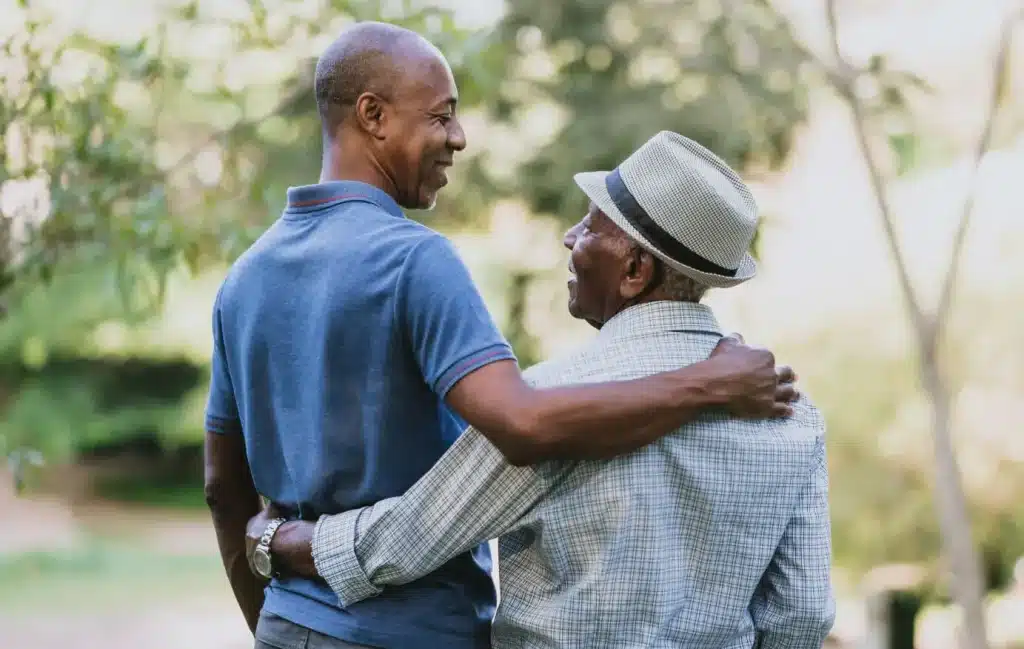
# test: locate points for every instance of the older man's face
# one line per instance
(597, 266)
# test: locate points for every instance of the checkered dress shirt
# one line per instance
(715, 537)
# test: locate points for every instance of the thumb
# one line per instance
(736, 336)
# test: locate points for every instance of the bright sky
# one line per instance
(134, 16)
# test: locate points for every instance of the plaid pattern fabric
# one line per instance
(715, 537)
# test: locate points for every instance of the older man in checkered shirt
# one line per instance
(715, 537)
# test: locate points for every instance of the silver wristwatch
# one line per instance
(261, 555)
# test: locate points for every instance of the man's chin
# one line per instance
(574, 309)
(427, 202)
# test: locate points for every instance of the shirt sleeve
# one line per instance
(221, 407)
(448, 325)
(471, 495)
(793, 606)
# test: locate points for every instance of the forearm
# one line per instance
(233, 500)
(793, 606)
(471, 495)
(229, 522)
(607, 419)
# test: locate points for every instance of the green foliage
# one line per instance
(623, 71)
(135, 159)
(129, 163)
(72, 404)
(84, 163)
(880, 453)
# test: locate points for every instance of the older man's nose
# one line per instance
(569, 240)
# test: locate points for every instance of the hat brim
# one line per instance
(593, 185)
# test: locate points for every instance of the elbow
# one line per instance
(218, 495)
(520, 455)
(817, 618)
(525, 441)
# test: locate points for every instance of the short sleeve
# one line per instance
(221, 407)
(448, 325)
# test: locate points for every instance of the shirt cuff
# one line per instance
(334, 555)
(223, 425)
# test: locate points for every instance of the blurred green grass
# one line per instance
(103, 574)
(181, 496)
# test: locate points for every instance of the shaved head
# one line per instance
(387, 101)
(369, 57)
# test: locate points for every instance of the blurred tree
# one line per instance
(596, 79)
(123, 161)
(967, 583)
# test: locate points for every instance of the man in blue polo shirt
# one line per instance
(351, 348)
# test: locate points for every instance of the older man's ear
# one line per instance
(639, 274)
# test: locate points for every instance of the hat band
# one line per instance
(662, 240)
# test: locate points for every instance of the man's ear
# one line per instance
(370, 114)
(638, 273)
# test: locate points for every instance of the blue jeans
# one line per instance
(273, 632)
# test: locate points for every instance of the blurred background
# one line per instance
(146, 143)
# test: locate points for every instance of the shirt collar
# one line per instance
(659, 317)
(315, 197)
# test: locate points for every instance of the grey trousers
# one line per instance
(275, 632)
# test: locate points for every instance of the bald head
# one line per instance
(372, 57)
(387, 100)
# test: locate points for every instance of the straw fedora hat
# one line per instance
(684, 205)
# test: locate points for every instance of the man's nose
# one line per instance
(456, 136)
(569, 239)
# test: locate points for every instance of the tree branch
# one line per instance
(1000, 64)
(843, 81)
(286, 105)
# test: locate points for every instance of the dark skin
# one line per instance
(401, 141)
(609, 274)
(232, 499)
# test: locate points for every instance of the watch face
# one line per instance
(261, 560)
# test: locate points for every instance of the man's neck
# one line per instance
(341, 164)
(655, 296)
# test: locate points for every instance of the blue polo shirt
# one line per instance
(336, 337)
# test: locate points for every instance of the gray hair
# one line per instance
(679, 287)
(674, 285)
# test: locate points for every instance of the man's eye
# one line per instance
(444, 119)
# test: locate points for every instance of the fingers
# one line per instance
(786, 393)
(724, 344)
(782, 410)
(738, 337)
(785, 374)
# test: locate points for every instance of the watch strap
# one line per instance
(268, 537)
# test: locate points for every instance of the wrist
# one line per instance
(292, 548)
(262, 557)
(703, 387)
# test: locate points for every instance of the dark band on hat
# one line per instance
(662, 240)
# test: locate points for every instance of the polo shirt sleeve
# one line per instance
(447, 323)
(221, 407)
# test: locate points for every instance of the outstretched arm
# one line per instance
(602, 420)
(471, 495)
(466, 361)
(793, 607)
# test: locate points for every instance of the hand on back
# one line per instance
(748, 380)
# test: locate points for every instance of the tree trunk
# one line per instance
(965, 581)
